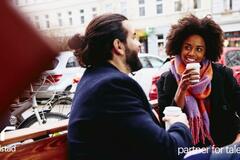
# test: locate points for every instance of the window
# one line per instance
(196, 4)
(151, 62)
(17, 2)
(160, 43)
(141, 11)
(72, 62)
(160, 36)
(55, 62)
(60, 22)
(177, 6)
(141, 2)
(145, 62)
(47, 21)
(81, 10)
(60, 19)
(159, 8)
(156, 63)
(141, 7)
(82, 19)
(47, 24)
(70, 21)
(230, 4)
(227, 5)
(37, 22)
(94, 9)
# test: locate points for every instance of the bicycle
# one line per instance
(62, 102)
(37, 118)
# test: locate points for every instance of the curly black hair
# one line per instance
(209, 30)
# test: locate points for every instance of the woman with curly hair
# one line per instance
(212, 104)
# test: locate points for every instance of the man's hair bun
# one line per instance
(76, 41)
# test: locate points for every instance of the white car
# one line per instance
(60, 78)
(151, 66)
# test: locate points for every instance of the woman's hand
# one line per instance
(186, 80)
(187, 77)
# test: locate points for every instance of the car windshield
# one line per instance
(53, 64)
(145, 62)
(156, 63)
(233, 58)
(151, 62)
(72, 62)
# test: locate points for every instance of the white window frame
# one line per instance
(141, 6)
(228, 5)
(181, 5)
(198, 4)
(159, 2)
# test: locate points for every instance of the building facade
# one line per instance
(227, 14)
(151, 18)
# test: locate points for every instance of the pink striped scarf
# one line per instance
(196, 100)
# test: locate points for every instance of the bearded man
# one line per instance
(111, 117)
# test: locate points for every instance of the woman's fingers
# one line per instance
(189, 77)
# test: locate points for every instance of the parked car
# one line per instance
(60, 78)
(231, 58)
(151, 66)
(63, 76)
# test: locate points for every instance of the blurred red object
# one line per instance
(24, 54)
(153, 94)
(76, 80)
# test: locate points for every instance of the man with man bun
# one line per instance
(111, 117)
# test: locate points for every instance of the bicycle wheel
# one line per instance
(61, 105)
(50, 117)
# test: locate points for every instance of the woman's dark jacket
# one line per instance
(224, 99)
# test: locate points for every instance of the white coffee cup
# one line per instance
(171, 111)
(196, 66)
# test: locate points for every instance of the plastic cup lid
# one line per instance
(172, 110)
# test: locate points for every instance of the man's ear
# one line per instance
(118, 47)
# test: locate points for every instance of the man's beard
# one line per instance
(132, 60)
